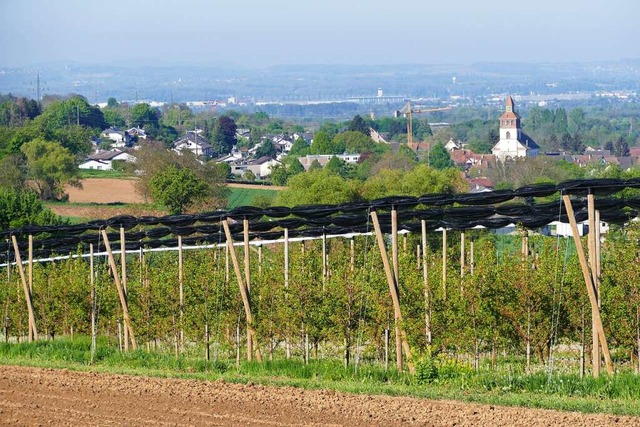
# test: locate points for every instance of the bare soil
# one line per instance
(34, 396)
(105, 190)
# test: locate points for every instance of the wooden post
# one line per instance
(393, 289)
(591, 243)
(207, 353)
(462, 254)
(30, 270)
(425, 280)
(394, 244)
(123, 262)
(244, 293)
(93, 304)
(121, 294)
(286, 258)
(386, 349)
(444, 263)
(260, 260)
(352, 251)
(226, 262)
(287, 339)
(394, 260)
(30, 277)
(33, 331)
(181, 291)
(588, 280)
(247, 258)
(324, 259)
(598, 249)
(471, 255)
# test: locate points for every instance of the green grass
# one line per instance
(436, 379)
(249, 196)
(94, 173)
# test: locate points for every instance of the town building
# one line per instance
(513, 142)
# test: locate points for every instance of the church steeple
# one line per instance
(510, 119)
(513, 142)
(509, 108)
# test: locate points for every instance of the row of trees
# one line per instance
(498, 301)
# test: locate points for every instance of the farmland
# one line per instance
(64, 397)
(107, 197)
(503, 321)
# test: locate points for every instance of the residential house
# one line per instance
(453, 145)
(103, 160)
(193, 141)
(261, 167)
(137, 132)
(323, 159)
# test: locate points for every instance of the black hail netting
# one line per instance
(494, 209)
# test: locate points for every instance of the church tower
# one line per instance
(513, 142)
(510, 122)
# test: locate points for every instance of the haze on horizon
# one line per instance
(255, 34)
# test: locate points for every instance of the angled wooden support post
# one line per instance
(123, 279)
(244, 293)
(247, 276)
(588, 280)
(33, 331)
(396, 277)
(121, 293)
(393, 289)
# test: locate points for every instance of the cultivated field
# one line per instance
(35, 396)
(105, 190)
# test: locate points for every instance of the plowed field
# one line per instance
(32, 396)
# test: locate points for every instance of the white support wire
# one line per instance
(195, 247)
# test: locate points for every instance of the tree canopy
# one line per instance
(177, 188)
(50, 166)
(20, 207)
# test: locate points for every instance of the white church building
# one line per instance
(513, 142)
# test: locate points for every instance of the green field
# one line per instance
(437, 379)
(249, 196)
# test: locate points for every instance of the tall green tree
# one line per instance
(21, 207)
(439, 157)
(50, 166)
(357, 124)
(223, 135)
(322, 144)
(177, 188)
(145, 117)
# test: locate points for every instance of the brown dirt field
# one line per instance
(120, 190)
(34, 396)
(105, 190)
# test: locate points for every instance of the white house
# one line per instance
(195, 143)
(323, 159)
(262, 167)
(563, 229)
(452, 145)
(103, 160)
(115, 135)
(140, 133)
(513, 142)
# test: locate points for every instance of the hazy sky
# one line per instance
(257, 33)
